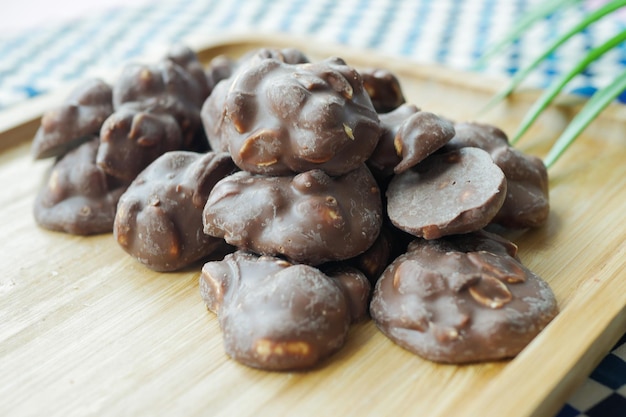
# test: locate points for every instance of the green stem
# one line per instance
(555, 88)
(521, 74)
(528, 19)
(594, 106)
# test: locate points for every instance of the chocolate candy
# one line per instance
(309, 218)
(277, 119)
(78, 197)
(278, 316)
(77, 120)
(384, 89)
(375, 259)
(408, 137)
(212, 112)
(527, 202)
(385, 158)
(459, 303)
(220, 68)
(130, 140)
(455, 192)
(420, 135)
(159, 217)
(356, 289)
(164, 87)
(187, 59)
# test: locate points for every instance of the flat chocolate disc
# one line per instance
(456, 302)
(456, 192)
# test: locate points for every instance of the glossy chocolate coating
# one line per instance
(278, 119)
(75, 121)
(408, 136)
(78, 196)
(420, 135)
(454, 192)
(309, 218)
(159, 217)
(212, 111)
(461, 304)
(220, 68)
(385, 157)
(130, 140)
(275, 315)
(527, 202)
(223, 67)
(356, 289)
(164, 87)
(384, 89)
(187, 59)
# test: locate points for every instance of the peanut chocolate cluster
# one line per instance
(150, 110)
(314, 195)
(277, 118)
(159, 217)
(277, 315)
(463, 298)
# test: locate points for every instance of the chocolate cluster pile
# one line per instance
(325, 198)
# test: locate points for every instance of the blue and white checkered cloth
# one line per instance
(448, 32)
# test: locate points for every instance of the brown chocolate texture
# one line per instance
(164, 87)
(384, 89)
(306, 135)
(459, 302)
(159, 217)
(278, 316)
(527, 202)
(187, 59)
(449, 193)
(78, 196)
(309, 218)
(408, 136)
(385, 158)
(130, 140)
(223, 68)
(75, 121)
(277, 118)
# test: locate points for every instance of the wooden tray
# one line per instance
(85, 330)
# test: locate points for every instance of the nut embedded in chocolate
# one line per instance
(130, 140)
(309, 218)
(78, 196)
(159, 217)
(275, 315)
(449, 193)
(277, 119)
(75, 121)
(459, 304)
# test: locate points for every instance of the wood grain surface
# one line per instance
(87, 331)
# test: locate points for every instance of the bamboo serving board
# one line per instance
(87, 331)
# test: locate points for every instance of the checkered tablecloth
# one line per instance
(37, 59)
